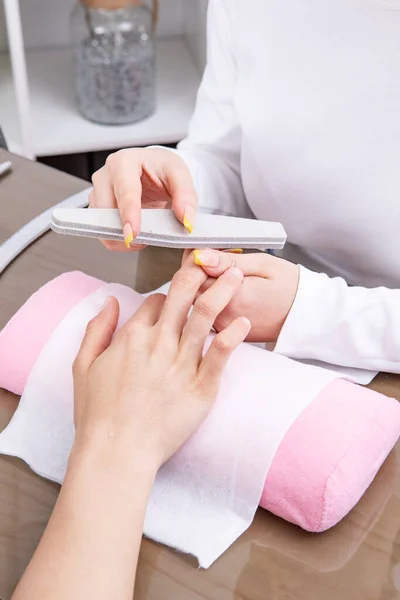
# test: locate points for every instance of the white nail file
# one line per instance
(161, 228)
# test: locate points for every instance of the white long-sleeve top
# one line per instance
(298, 121)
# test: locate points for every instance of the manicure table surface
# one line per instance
(359, 559)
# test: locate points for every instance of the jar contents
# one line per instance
(115, 66)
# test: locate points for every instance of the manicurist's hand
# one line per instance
(266, 295)
(143, 177)
(139, 395)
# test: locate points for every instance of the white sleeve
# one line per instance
(342, 325)
(212, 147)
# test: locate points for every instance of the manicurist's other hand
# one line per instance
(149, 388)
(266, 295)
(143, 177)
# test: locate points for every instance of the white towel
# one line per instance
(207, 494)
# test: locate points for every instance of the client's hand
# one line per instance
(266, 296)
(139, 395)
(149, 387)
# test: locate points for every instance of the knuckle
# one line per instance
(110, 160)
(132, 331)
(228, 260)
(125, 154)
(95, 178)
(183, 280)
(221, 345)
(204, 389)
(204, 308)
(127, 194)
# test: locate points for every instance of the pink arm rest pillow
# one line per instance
(325, 462)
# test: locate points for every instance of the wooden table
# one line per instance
(359, 559)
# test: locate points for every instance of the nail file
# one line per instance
(161, 228)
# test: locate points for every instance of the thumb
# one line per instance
(215, 262)
(98, 336)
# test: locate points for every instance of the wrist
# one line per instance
(107, 452)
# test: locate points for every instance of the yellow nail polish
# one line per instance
(189, 218)
(128, 234)
(128, 240)
(197, 257)
(235, 250)
(187, 224)
(206, 258)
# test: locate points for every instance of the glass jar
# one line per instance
(115, 59)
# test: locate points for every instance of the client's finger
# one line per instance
(98, 336)
(180, 298)
(214, 262)
(186, 254)
(148, 313)
(218, 354)
(206, 309)
(206, 286)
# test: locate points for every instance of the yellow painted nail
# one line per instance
(197, 257)
(234, 250)
(188, 218)
(187, 224)
(206, 258)
(128, 234)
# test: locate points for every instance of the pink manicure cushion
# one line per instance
(325, 462)
(24, 336)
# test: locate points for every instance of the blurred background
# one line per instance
(82, 78)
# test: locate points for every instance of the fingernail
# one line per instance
(234, 250)
(236, 272)
(107, 302)
(206, 258)
(189, 218)
(247, 321)
(128, 234)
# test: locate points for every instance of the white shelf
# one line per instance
(58, 128)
